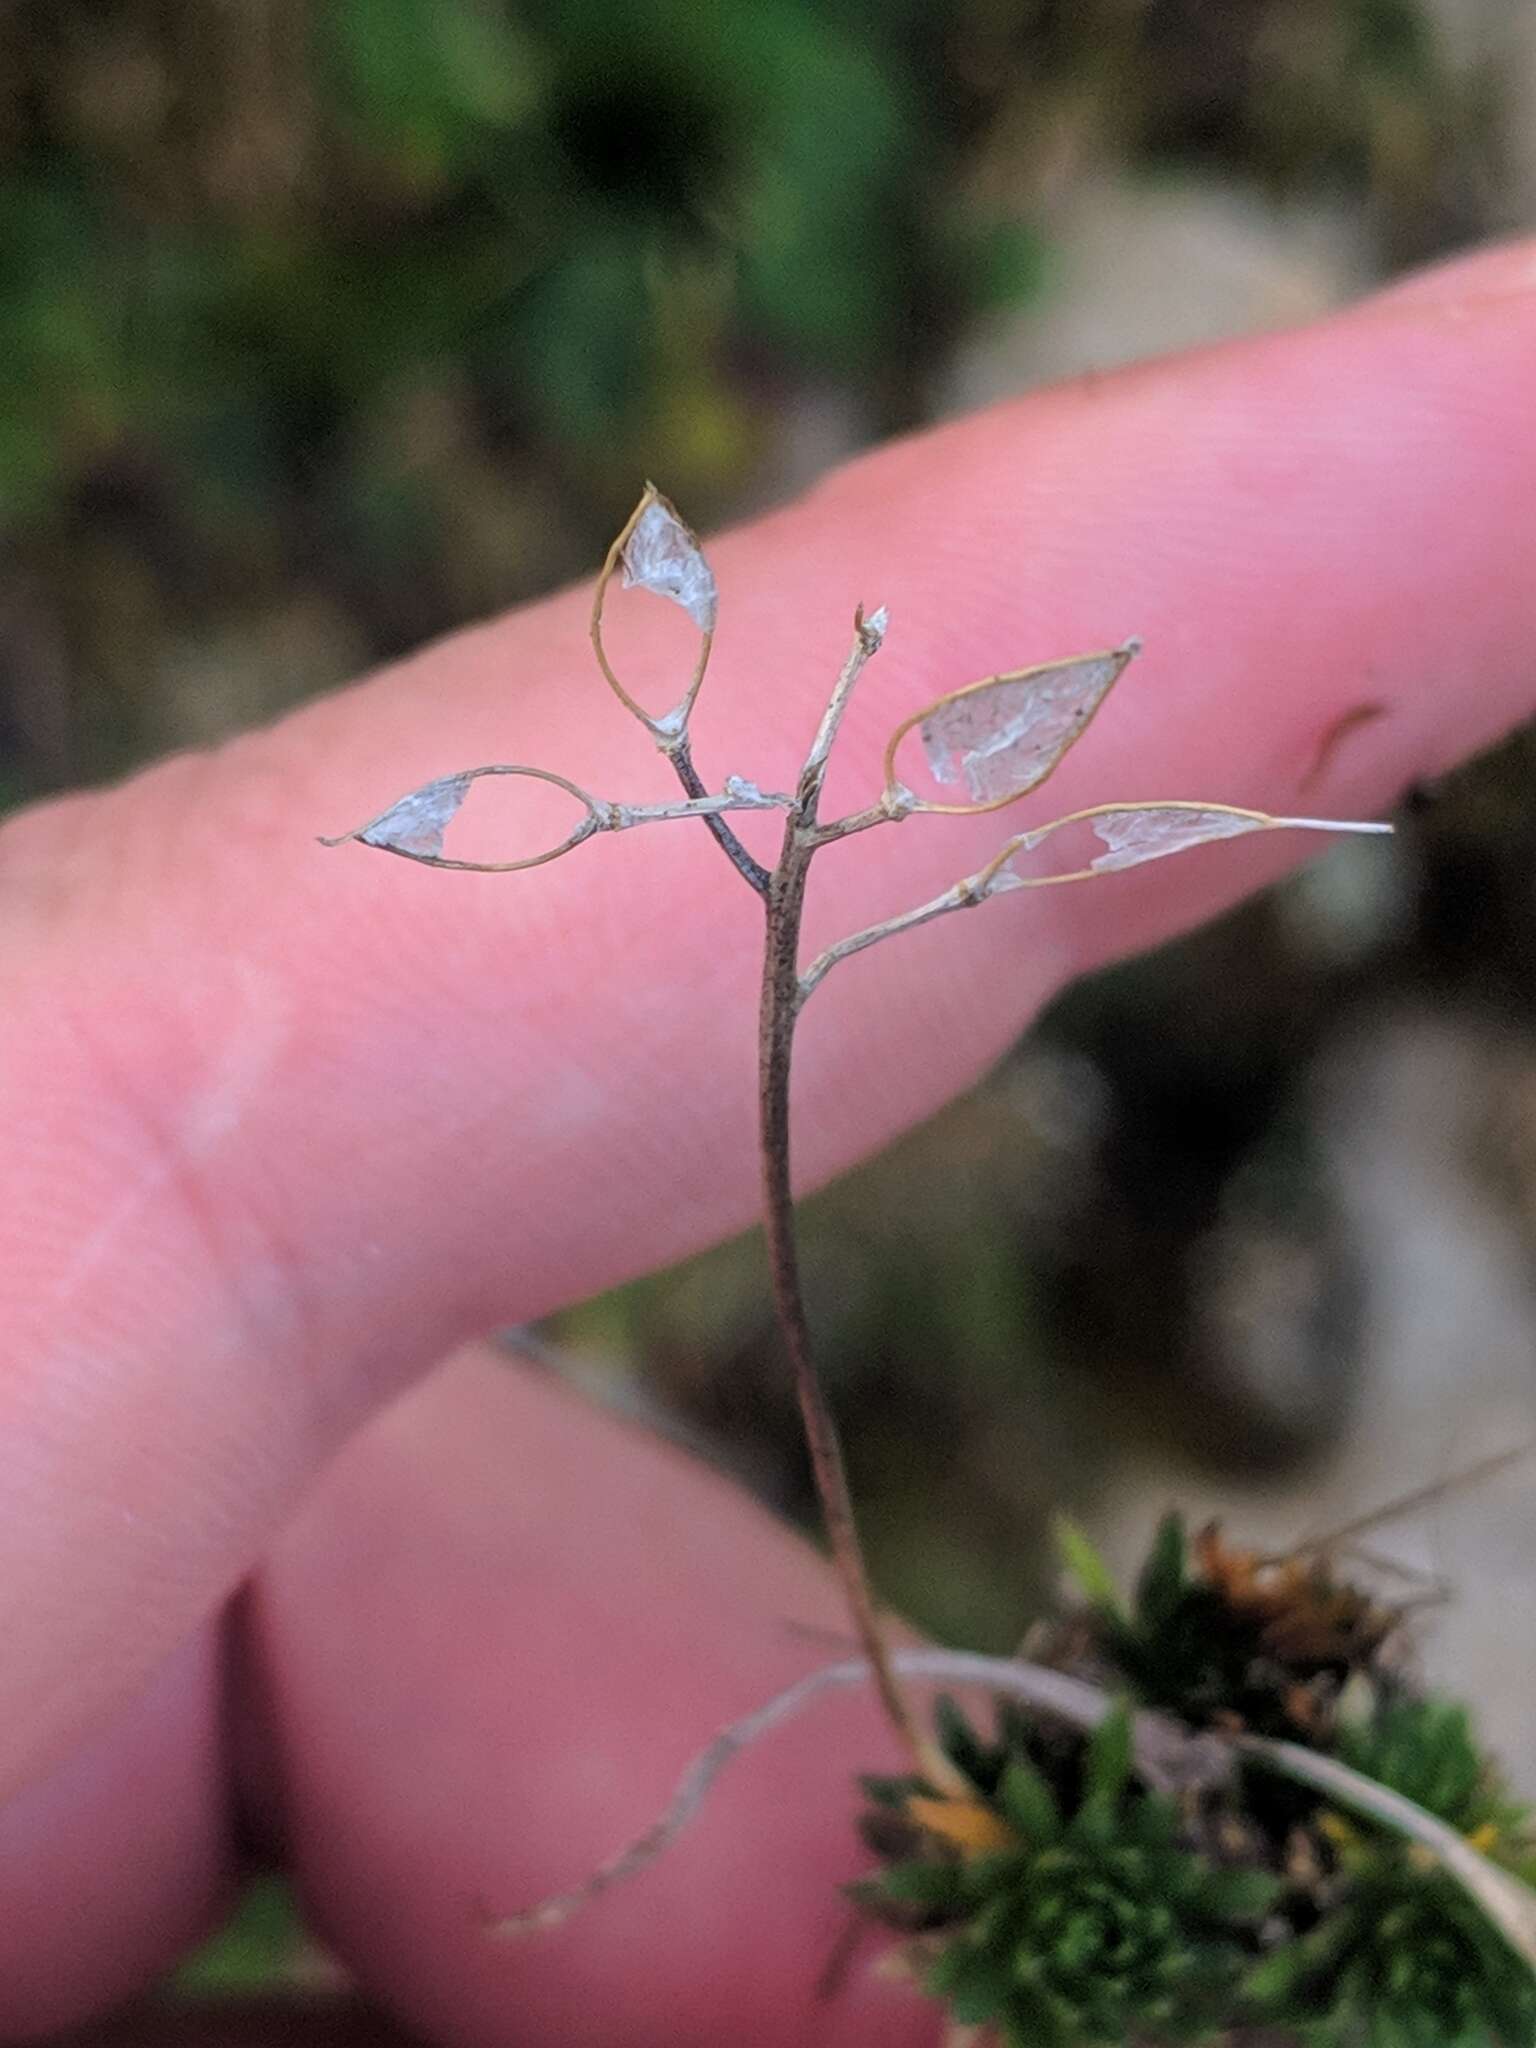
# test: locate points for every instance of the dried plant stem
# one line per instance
(780, 1003)
(963, 896)
(868, 636)
(1168, 1756)
(783, 892)
(1407, 1503)
(781, 999)
(751, 871)
(1070, 1699)
(891, 809)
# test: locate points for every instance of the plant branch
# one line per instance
(780, 1002)
(868, 638)
(785, 903)
(412, 828)
(963, 896)
(751, 871)
(1408, 1503)
(893, 806)
(1168, 1756)
(997, 878)
(736, 796)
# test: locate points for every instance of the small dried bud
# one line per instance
(873, 628)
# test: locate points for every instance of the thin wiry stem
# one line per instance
(1168, 1757)
(751, 871)
(893, 806)
(997, 878)
(868, 637)
(963, 896)
(785, 902)
(736, 796)
(1407, 1503)
(780, 1003)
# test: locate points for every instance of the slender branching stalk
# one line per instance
(1000, 738)
(777, 1014)
(752, 872)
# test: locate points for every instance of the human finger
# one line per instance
(482, 1655)
(286, 1124)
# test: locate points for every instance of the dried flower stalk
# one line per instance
(1003, 737)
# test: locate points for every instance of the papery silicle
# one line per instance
(1135, 836)
(1002, 737)
(663, 556)
(416, 824)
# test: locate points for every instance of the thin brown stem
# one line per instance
(752, 871)
(963, 896)
(781, 994)
(785, 902)
(1407, 1503)
(781, 997)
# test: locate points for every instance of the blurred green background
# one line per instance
(331, 324)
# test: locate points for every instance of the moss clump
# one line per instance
(1058, 1902)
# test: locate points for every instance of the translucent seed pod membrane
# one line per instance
(659, 553)
(663, 555)
(994, 741)
(526, 816)
(1108, 838)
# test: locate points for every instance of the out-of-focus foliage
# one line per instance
(261, 1942)
(329, 323)
(1219, 1632)
(383, 305)
(1425, 1748)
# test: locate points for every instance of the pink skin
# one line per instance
(285, 1126)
